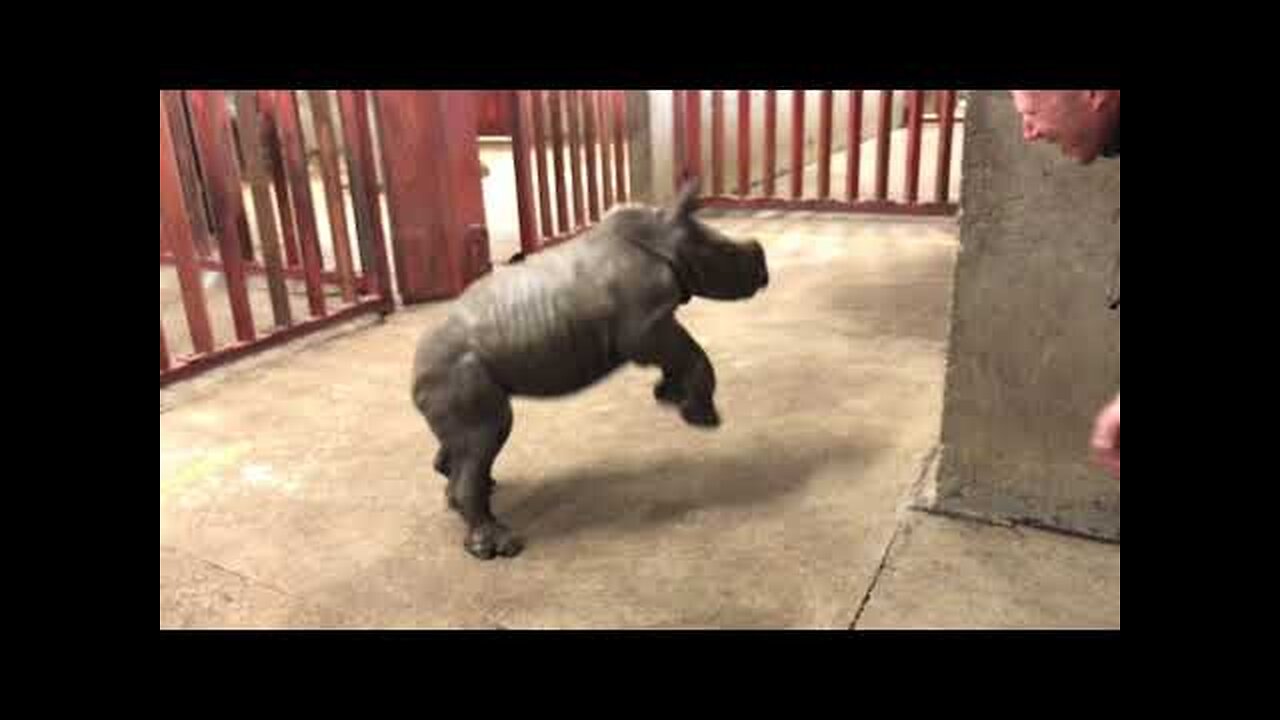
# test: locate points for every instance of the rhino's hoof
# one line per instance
(489, 541)
(700, 416)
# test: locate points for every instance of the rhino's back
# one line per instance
(547, 325)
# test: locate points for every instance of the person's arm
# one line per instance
(1106, 438)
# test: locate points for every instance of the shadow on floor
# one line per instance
(664, 491)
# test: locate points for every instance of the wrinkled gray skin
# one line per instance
(564, 319)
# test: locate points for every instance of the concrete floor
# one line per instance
(296, 489)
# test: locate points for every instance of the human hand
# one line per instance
(1105, 442)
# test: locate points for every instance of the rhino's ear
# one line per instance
(686, 202)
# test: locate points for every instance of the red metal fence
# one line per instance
(208, 166)
(587, 134)
(859, 193)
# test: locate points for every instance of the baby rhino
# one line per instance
(562, 320)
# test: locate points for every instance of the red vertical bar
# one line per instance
(213, 140)
(185, 156)
(271, 143)
(824, 144)
(744, 141)
(354, 105)
(540, 158)
(693, 132)
(855, 145)
(915, 114)
(797, 143)
(557, 142)
(606, 151)
(575, 157)
(247, 115)
(164, 351)
(589, 112)
(434, 191)
(620, 142)
(524, 177)
(946, 126)
(770, 140)
(175, 224)
(882, 145)
(680, 151)
(295, 162)
(717, 142)
(334, 201)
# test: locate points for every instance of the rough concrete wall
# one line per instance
(658, 137)
(1034, 350)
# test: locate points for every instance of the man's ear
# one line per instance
(686, 202)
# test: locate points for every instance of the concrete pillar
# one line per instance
(1034, 352)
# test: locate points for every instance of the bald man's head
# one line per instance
(1079, 122)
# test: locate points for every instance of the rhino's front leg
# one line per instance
(688, 379)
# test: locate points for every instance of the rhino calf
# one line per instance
(564, 319)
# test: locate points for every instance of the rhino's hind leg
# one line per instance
(471, 416)
(669, 390)
(444, 465)
(441, 463)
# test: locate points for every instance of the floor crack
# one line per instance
(236, 573)
(913, 493)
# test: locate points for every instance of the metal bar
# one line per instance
(185, 156)
(887, 207)
(540, 157)
(915, 113)
(717, 142)
(192, 366)
(824, 144)
(331, 175)
(175, 225)
(271, 142)
(770, 140)
(693, 133)
(882, 145)
(678, 149)
(361, 166)
(946, 128)
(363, 283)
(744, 142)
(563, 237)
(164, 351)
(255, 172)
(606, 150)
(797, 143)
(575, 157)
(620, 143)
(295, 162)
(557, 143)
(213, 140)
(524, 177)
(854, 154)
(589, 112)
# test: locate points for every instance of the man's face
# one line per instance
(1077, 121)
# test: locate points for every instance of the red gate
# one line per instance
(862, 191)
(591, 125)
(208, 166)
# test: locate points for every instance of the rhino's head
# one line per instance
(709, 264)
